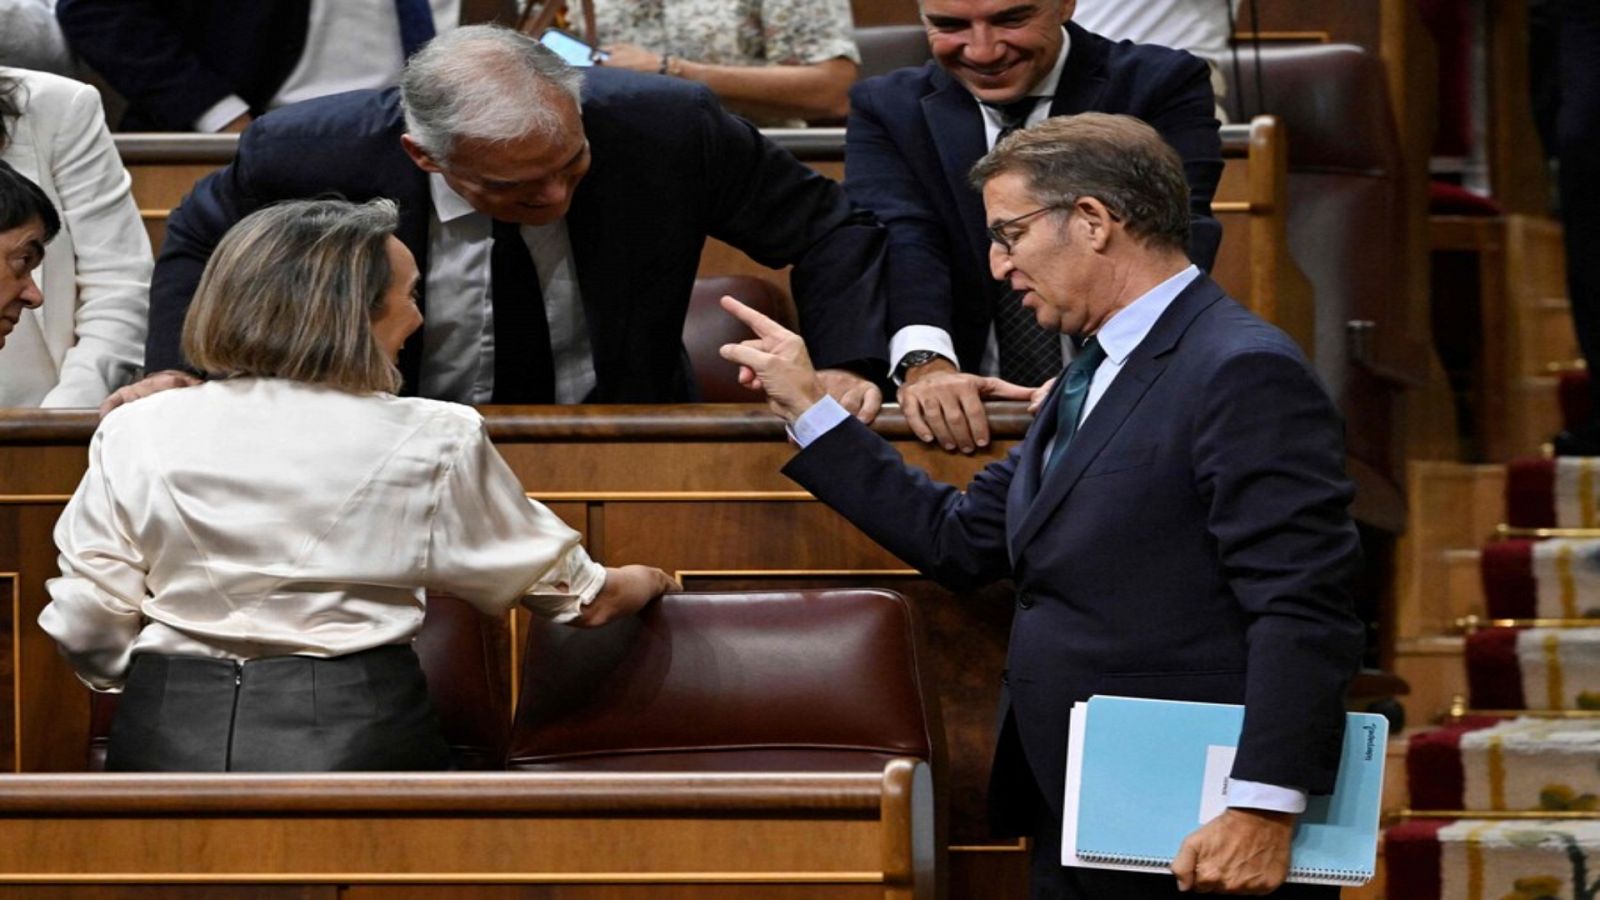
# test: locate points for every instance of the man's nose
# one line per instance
(999, 262)
(31, 296)
(985, 47)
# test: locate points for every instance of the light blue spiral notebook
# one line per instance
(1143, 774)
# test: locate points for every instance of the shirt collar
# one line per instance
(1128, 327)
(447, 204)
(1047, 86)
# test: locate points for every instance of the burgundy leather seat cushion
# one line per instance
(798, 678)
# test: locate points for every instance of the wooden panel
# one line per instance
(9, 621)
(172, 892)
(834, 834)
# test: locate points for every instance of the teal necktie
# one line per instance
(1069, 401)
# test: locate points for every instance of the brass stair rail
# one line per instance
(1470, 624)
(1503, 531)
(1513, 815)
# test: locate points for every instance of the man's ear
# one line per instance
(419, 155)
(1095, 219)
(1068, 7)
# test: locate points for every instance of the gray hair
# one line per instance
(1119, 160)
(483, 82)
(291, 291)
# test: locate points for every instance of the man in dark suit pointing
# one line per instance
(1175, 521)
(557, 218)
(912, 135)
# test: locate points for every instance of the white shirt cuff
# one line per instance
(1270, 797)
(823, 416)
(221, 113)
(920, 337)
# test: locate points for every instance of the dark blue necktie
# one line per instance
(416, 24)
(1073, 393)
(524, 371)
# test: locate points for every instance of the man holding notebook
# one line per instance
(1175, 522)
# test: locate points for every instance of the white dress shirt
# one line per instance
(350, 45)
(1119, 336)
(931, 337)
(458, 330)
(262, 517)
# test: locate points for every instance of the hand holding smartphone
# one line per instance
(571, 48)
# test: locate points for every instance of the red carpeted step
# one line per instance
(1434, 774)
(1494, 677)
(1509, 588)
(1411, 859)
(1574, 392)
(1530, 493)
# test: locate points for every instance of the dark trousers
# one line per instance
(1050, 880)
(366, 711)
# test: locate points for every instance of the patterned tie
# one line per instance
(1069, 400)
(524, 370)
(416, 24)
(1013, 115)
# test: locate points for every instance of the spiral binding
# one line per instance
(1343, 876)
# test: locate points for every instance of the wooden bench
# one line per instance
(470, 835)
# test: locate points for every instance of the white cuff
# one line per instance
(581, 578)
(220, 114)
(823, 416)
(1270, 797)
(920, 337)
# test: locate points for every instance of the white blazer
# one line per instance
(87, 339)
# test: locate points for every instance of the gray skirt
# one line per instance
(366, 711)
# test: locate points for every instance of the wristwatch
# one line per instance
(914, 359)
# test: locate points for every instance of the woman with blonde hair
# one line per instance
(246, 559)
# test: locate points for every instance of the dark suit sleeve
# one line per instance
(878, 178)
(216, 203)
(781, 212)
(144, 57)
(1185, 115)
(955, 537)
(1269, 453)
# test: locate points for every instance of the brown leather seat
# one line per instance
(1347, 225)
(707, 327)
(826, 680)
(463, 653)
(885, 48)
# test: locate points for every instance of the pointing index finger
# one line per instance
(762, 325)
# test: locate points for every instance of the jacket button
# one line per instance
(1024, 601)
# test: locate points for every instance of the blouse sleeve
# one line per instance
(94, 609)
(492, 546)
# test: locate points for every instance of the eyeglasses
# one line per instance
(1006, 234)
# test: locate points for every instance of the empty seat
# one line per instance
(826, 680)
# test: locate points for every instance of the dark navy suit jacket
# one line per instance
(669, 168)
(174, 59)
(1193, 544)
(913, 135)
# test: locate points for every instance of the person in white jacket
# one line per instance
(87, 338)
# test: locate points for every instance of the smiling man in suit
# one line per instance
(1175, 522)
(558, 219)
(911, 137)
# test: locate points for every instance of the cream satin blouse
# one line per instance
(261, 517)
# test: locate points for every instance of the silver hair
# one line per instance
(483, 82)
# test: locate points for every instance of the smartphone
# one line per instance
(571, 48)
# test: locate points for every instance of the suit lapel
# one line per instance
(1083, 78)
(1144, 366)
(1030, 466)
(957, 128)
